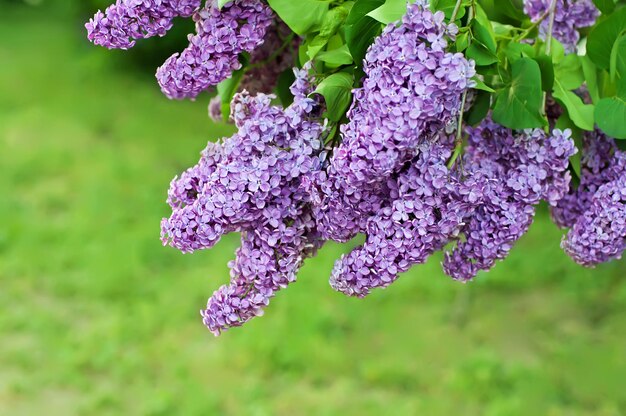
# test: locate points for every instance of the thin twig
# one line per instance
(551, 12)
(455, 12)
(530, 28)
(459, 127)
(459, 133)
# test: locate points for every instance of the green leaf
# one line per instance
(483, 33)
(605, 6)
(480, 85)
(283, 90)
(479, 109)
(333, 20)
(569, 76)
(519, 105)
(618, 59)
(462, 41)
(483, 45)
(603, 36)
(337, 92)
(482, 18)
(516, 50)
(581, 114)
(480, 54)
(590, 73)
(504, 11)
(611, 114)
(558, 51)
(447, 7)
(336, 57)
(390, 12)
(502, 30)
(569, 72)
(360, 29)
(303, 57)
(301, 16)
(547, 72)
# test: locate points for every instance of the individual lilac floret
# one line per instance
(569, 16)
(128, 20)
(253, 183)
(215, 109)
(511, 173)
(426, 212)
(412, 89)
(600, 234)
(601, 162)
(213, 52)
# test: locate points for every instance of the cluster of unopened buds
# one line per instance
(393, 175)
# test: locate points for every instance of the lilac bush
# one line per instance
(423, 130)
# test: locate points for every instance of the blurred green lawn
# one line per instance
(96, 318)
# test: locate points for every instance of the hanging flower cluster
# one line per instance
(569, 17)
(411, 147)
(596, 210)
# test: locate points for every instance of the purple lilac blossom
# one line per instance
(595, 210)
(213, 52)
(412, 90)
(426, 212)
(509, 174)
(599, 235)
(568, 18)
(267, 63)
(215, 109)
(601, 163)
(252, 183)
(125, 21)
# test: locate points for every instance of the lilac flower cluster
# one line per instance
(600, 234)
(252, 183)
(213, 52)
(425, 211)
(267, 63)
(508, 175)
(389, 175)
(412, 90)
(569, 17)
(485, 206)
(125, 21)
(595, 210)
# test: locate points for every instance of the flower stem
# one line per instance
(455, 12)
(529, 29)
(459, 133)
(459, 127)
(551, 12)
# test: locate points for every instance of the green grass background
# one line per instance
(96, 318)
